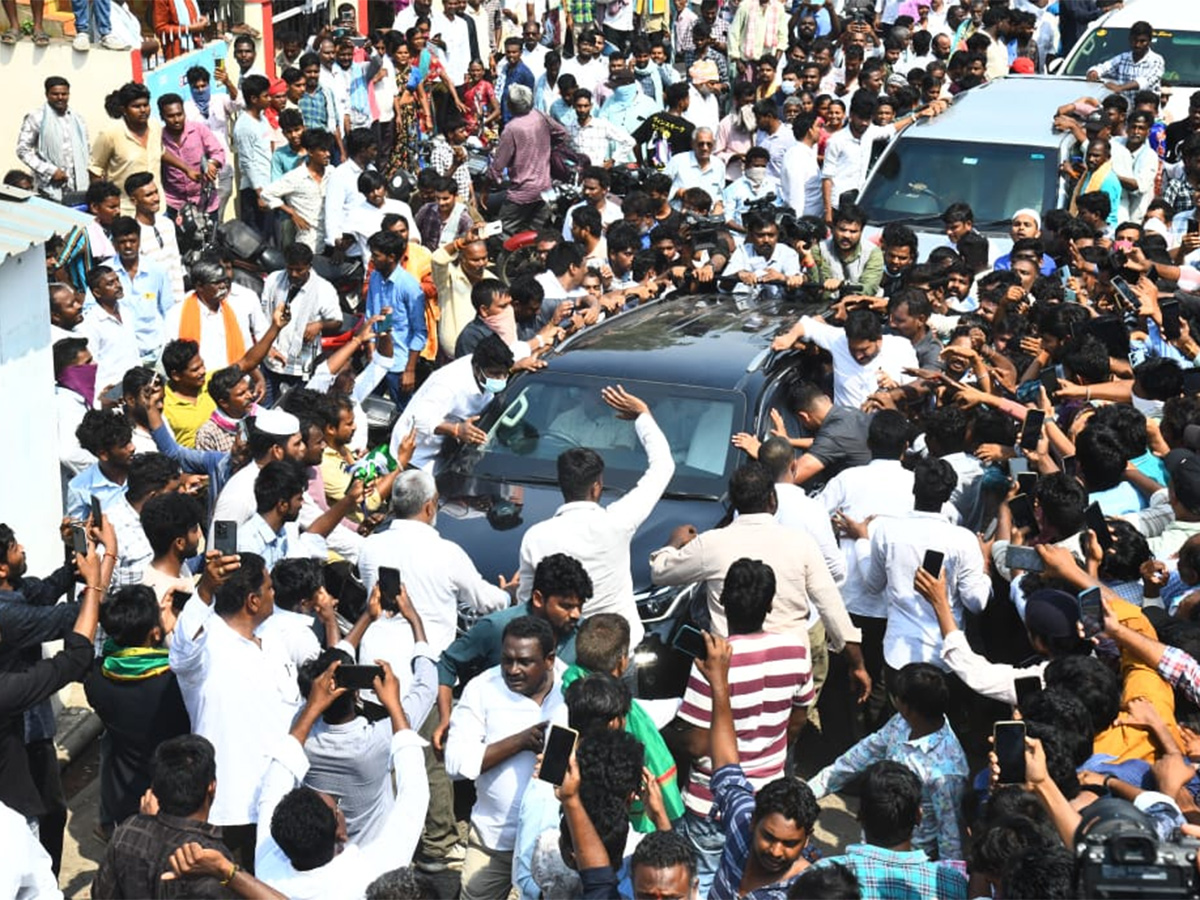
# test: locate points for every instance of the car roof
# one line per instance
(1163, 15)
(1015, 110)
(706, 340)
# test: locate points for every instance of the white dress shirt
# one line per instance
(598, 536)
(239, 694)
(853, 383)
(685, 172)
(26, 873)
(350, 872)
(802, 578)
(848, 158)
(341, 195)
(113, 342)
(236, 501)
(804, 513)
(489, 712)
(883, 487)
(449, 394)
(317, 301)
(783, 259)
(894, 553)
(249, 317)
(801, 181)
(439, 575)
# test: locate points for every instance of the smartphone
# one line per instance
(1027, 559)
(178, 600)
(243, 431)
(225, 537)
(932, 563)
(1018, 465)
(1097, 523)
(1170, 319)
(565, 322)
(1009, 743)
(1070, 466)
(556, 756)
(1065, 275)
(220, 64)
(1049, 380)
(1193, 225)
(389, 588)
(690, 640)
(1027, 482)
(113, 394)
(1032, 432)
(990, 531)
(79, 540)
(1090, 612)
(1026, 687)
(357, 678)
(487, 230)
(1124, 291)
(96, 511)
(1021, 507)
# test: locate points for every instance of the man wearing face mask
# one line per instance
(451, 400)
(756, 184)
(494, 314)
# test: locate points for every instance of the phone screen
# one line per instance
(1021, 508)
(96, 512)
(1027, 559)
(690, 641)
(1027, 482)
(1191, 381)
(1170, 319)
(1097, 523)
(1049, 379)
(225, 537)
(1026, 687)
(556, 757)
(389, 588)
(933, 562)
(1009, 738)
(358, 678)
(1017, 465)
(1124, 292)
(1032, 432)
(79, 540)
(1193, 226)
(1090, 612)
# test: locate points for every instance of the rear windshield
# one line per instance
(919, 178)
(1180, 51)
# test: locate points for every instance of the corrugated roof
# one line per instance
(26, 220)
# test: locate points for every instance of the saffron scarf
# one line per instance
(189, 327)
(133, 663)
(1094, 181)
(658, 758)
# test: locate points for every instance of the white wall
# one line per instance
(23, 69)
(30, 500)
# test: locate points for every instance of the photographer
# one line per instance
(712, 244)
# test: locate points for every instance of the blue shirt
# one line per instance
(148, 296)
(1121, 500)
(403, 294)
(733, 798)
(899, 873)
(256, 536)
(91, 482)
(518, 74)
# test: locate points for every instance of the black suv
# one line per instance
(703, 364)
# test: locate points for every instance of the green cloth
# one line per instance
(133, 663)
(659, 760)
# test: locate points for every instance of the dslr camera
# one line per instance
(1118, 853)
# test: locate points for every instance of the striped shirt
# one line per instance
(769, 675)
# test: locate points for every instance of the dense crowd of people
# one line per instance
(970, 531)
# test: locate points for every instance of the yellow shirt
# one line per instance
(117, 154)
(185, 415)
(1128, 741)
(335, 472)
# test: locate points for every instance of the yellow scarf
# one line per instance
(189, 327)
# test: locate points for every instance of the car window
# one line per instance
(1180, 51)
(921, 177)
(546, 414)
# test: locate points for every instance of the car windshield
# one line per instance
(919, 178)
(1180, 51)
(544, 415)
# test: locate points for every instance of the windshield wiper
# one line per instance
(916, 220)
(687, 495)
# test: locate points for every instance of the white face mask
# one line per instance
(787, 88)
(756, 175)
(748, 121)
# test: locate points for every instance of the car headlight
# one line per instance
(655, 603)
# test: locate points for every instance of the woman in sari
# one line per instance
(409, 99)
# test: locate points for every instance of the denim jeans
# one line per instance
(707, 837)
(82, 18)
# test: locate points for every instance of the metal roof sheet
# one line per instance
(26, 220)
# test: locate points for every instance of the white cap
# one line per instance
(277, 422)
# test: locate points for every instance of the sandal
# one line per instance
(41, 39)
(11, 36)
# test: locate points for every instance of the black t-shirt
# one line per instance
(841, 441)
(675, 130)
(1177, 133)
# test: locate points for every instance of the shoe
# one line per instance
(82, 43)
(112, 42)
